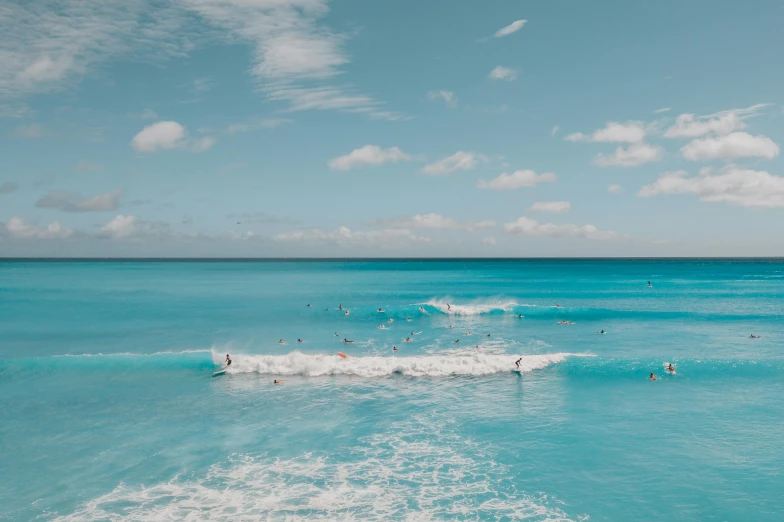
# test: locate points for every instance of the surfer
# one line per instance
(408, 319)
(346, 341)
(346, 312)
(337, 334)
(381, 310)
(308, 305)
(652, 377)
(394, 348)
(519, 316)
(488, 335)
(517, 363)
(468, 333)
(390, 320)
(228, 361)
(670, 368)
(299, 340)
(421, 309)
(752, 336)
(649, 283)
(281, 342)
(600, 332)
(457, 341)
(340, 307)
(448, 307)
(451, 326)
(277, 382)
(408, 339)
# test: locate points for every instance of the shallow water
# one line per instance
(111, 411)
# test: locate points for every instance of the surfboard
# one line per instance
(219, 373)
(343, 355)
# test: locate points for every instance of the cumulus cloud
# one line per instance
(434, 222)
(166, 135)
(613, 132)
(516, 180)
(449, 97)
(72, 202)
(18, 227)
(127, 227)
(720, 123)
(633, 155)
(733, 185)
(368, 155)
(614, 189)
(524, 226)
(8, 187)
(502, 73)
(346, 236)
(511, 28)
(458, 161)
(555, 207)
(730, 146)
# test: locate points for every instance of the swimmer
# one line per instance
(456, 342)
(600, 332)
(346, 312)
(281, 342)
(277, 382)
(488, 335)
(299, 340)
(340, 307)
(408, 339)
(346, 341)
(652, 377)
(390, 320)
(326, 309)
(671, 368)
(381, 310)
(752, 336)
(649, 283)
(337, 334)
(517, 363)
(451, 326)
(308, 305)
(228, 361)
(558, 306)
(408, 319)
(421, 309)
(394, 348)
(382, 327)
(519, 316)
(468, 333)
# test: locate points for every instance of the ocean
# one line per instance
(110, 410)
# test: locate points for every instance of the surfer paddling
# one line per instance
(671, 368)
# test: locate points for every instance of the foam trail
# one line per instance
(446, 307)
(315, 365)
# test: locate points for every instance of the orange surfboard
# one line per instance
(343, 355)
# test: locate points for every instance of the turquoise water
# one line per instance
(110, 410)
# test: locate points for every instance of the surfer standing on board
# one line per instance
(517, 363)
(228, 361)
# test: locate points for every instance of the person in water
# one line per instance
(517, 363)
(228, 360)
(652, 377)
(281, 342)
(671, 368)
(600, 332)
(752, 336)
(299, 340)
(277, 382)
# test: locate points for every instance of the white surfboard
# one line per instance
(219, 372)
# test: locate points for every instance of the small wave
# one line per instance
(442, 306)
(129, 354)
(315, 365)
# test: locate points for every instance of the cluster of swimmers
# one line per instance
(670, 368)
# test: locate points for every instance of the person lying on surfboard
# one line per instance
(228, 360)
(346, 341)
(670, 368)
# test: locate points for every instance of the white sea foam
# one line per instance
(447, 307)
(471, 362)
(418, 469)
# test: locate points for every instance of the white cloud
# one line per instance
(614, 189)
(72, 202)
(724, 122)
(745, 188)
(127, 227)
(368, 155)
(449, 97)
(730, 146)
(458, 161)
(554, 131)
(20, 228)
(165, 135)
(633, 155)
(556, 207)
(502, 73)
(516, 180)
(295, 59)
(8, 187)
(663, 109)
(511, 28)
(435, 222)
(613, 132)
(147, 114)
(489, 241)
(529, 227)
(345, 236)
(264, 123)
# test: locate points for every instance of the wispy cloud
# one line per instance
(502, 73)
(613, 132)
(531, 228)
(449, 97)
(662, 110)
(73, 202)
(554, 207)
(720, 123)
(345, 236)
(18, 227)
(631, 156)
(253, 125)
(433, 222)
(8, 187)
(511, 28)
(368, 155)
(516, 180)
(458, 161)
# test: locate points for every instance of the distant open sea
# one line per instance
(110, 410)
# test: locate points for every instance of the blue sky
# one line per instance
(356, 128)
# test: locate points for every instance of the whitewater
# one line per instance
(111, 411)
